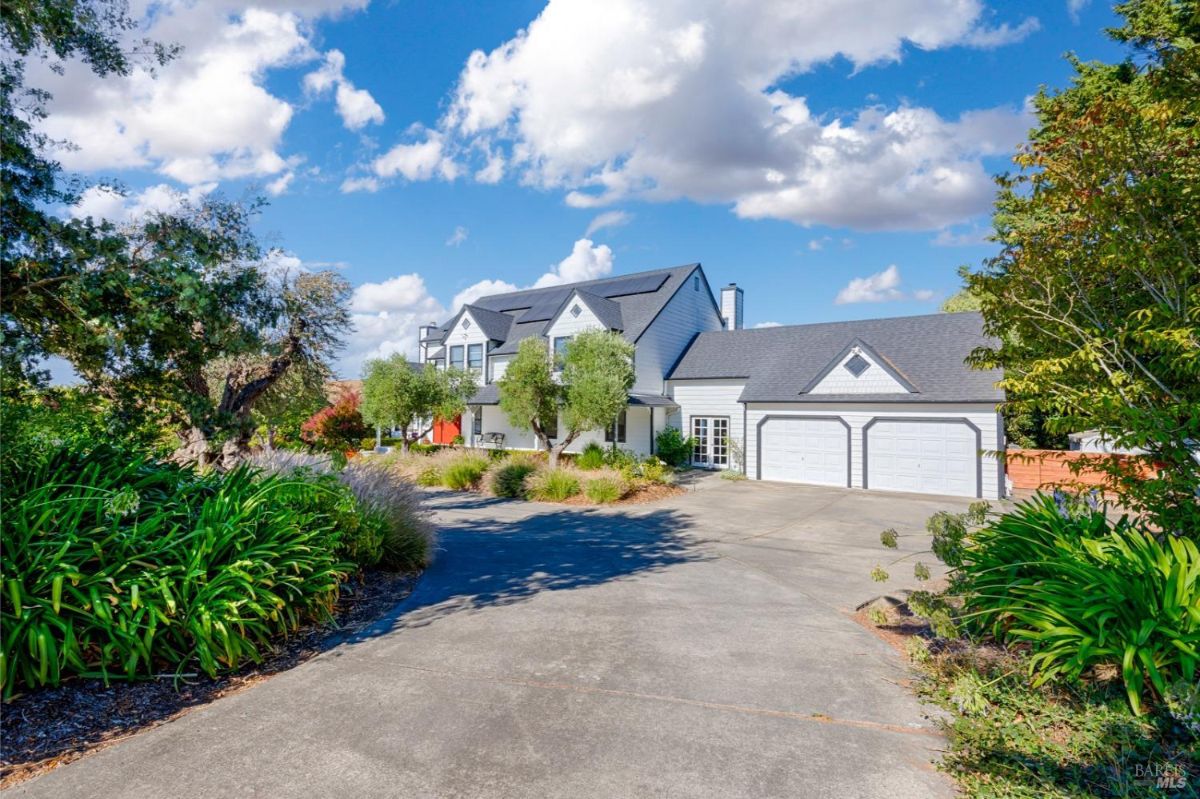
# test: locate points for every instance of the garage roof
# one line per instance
(780, 363)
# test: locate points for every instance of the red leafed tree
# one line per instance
(338, 427)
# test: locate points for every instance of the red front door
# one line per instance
(444, 431)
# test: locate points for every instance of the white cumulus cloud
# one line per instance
(882, 286)
(208, 115)
(355, 106)
(652, 100)
(102, 203)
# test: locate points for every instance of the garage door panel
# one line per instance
(800, 450)
(925, 457)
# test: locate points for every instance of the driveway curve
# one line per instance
(697, 647)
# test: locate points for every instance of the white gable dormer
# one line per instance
(860, 370)
(573, 317)
(469, 336)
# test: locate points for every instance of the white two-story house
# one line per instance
(883, 404)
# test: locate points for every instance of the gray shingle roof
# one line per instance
(624, 302)
(606, 310)
(495, 325)
(778, 363)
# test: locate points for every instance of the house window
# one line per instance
(575, 311)
(560, 350)
(857, 365)
(466, 324)
(615, 434)
(696, 283)
(550, 426)
(456, 356)
(477, 422)
(475, 357)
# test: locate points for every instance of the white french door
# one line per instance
(711, 441)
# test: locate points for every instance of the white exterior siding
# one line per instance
(859, 415)
(710, 398)
(568, 325)
(686, 314)
(875, 380)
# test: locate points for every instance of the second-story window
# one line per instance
(456, 356)
(475, 357)
(560, 350)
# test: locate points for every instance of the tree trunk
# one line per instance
(194, 448)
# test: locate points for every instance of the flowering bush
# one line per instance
(338, 427)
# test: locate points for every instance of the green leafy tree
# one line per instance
(41, 254)
(592, 390)
(1095, 296)
(395, 394)
(281, 410)
(142, 312)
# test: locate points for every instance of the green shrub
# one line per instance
(1082, 591)
(464, 472)
(508, 480)
(653, 470)
(430, 476)
(591, 458)
(603, 490)
(671, 446)
(422, 448)
(552, 485)
(118, 568)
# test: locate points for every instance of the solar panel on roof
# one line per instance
(544, 307)
(640, 284)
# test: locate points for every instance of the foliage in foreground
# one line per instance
(1078, 589)
(1082, 591)
(1010, 740)
(118, 567)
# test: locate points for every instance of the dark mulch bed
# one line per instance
(47, 728)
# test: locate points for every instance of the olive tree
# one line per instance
(401, 395)
(591, 390)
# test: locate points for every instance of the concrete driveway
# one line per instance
(698, 647)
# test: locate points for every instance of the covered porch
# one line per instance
(643, 419)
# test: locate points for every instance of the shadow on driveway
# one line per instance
(491, 560)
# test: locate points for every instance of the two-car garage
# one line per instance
(925, 455)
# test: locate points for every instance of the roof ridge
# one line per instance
(592, 282)
(938, 315)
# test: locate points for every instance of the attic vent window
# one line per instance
(575, 311)
(857, 365)
(466, 324)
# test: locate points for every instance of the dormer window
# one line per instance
(857, 365)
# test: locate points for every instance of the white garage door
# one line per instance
(922, 457)
(800, 450)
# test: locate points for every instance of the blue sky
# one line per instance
(841, 152)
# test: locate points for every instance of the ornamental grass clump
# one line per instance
(117, 567)
(591, 458)
(508, 479)
(605, 489)
(393, 504)
(465, 472)
(552, 485)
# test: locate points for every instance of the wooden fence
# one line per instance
(1031, 469)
